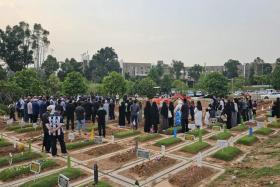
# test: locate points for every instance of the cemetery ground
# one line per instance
(210, 157)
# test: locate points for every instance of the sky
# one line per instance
(194, 31)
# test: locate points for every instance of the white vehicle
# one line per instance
(272, 95)
(198, 93)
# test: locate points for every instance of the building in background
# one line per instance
(135, 69)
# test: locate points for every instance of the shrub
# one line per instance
(4, 109)
(20, 157)
(227, 154)
(196, 132)
(4, 143)
(125, 134)
(51, 180)
(170, 130)
(264, 131)
(240, 128)
(221, 136)
(195, 147)
(147, 137)
(27, 129)
(79, 144)
(274, 124)
(14, 172)
(247, 140)
(168, 141)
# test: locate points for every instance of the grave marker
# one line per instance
(162, 150)
(199, 159)
(189, 137)
(71, 136)
(113, 139)
(230, 141)
(95, 174)
(222, 143)
(98, 139)
(63, 181)
(216, 128)
(192, 126)
(259, 124)
(35, 167)
(11, 159)
(141, 153)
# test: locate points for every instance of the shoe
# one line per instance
(64, 154)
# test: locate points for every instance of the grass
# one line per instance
(147, 137)
(170, 130)
(79, 144)
(100, 184)
(51, 180)
(17, 171)
(4, 143)
(263, 131)
(27, 129)
(274, 124)
(247, 140)
(17, 126)
(221, 136)
(227, 154)
(168, 141)
(196, 132)
(89, 128)
(240, 128)
(125, 134)
(195, 147)
(19, 157)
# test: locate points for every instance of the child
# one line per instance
(207, 118)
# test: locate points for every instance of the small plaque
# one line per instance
(98, 139)
(63, 181)
(222, 143)
(35, 167)
(71, 136)
(216, 128)
(162, 150)
(260, 124)
(192, 126)
(141, 153)
(199, 159)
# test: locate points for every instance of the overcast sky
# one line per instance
(193, 31)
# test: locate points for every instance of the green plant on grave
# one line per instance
(227, 154)
(196, 132)
(4, 143)
(221, 136)
(19, 157)
(168, 141)
(263, 131)
(247, 140)
(80, 144)
(274, 124)
(195, 147)
(125, 134)
(240, 128)
(147, 137)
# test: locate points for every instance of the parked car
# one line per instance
(272, 95)
(198, 94)
(190, 93)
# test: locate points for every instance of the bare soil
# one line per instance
(147, 169)
(105, 149)
(191, 176)
(8, 149)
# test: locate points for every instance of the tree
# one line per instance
(231, 68)
(238, 83)
(9, 92)
(114, 84)
(267, 69)
(146, 87)
(69, 66)
(180, 86)
(130, 87)
(74, 84)
(19, 43)
(165, 84)
(28, 81)
(195, 72)
(3, 73)
(215, 84)
(53, 85)
(277, 61)
(154, 74)
(177, 66)
(102, 63)
(275, 78)
(50, 65)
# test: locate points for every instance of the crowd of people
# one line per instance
(53, 113)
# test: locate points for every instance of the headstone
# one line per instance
(213, 120)
(230, 141)
(11, 159)
(222, 143)
(189, 137)
(34, 125)
(113, 139)
(71, 136)
(98, 139)
(192, 126)
(15, 145)
(216, 128)
(141, 153)
(10, 121)
(260, 124)
(35, 167)
(199, 159)
(95, 173)
(136, 146)
(162, 150)
(68, 161)
(63, 181)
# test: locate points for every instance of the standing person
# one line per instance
(88, 109)
(198, 115)
(69, 111)
(148, 117)
(43, 107)
(12, 110)
(207, 118)
(18, 105)
(36, 110)
(101, 120)
(56, 132)
(254, 108)
(134, 108)
(128, 112)
(106, 108)
(234, 110)
(140, 113)
(21, 109)
(164, 116)
(112, 110)
(45, 121)
(80, 117)
(227, 110)
(30, 111)
(95, 108)
(171, 119)
(278, 107)
(192, 107)
(185, 116)
(250, 108)
(122, 114)
(155, 117)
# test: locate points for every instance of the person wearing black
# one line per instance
(164, 116)
(56, 133)
(122, 115)
(12, 110)
(95, 108)
(155, 117)
(278, 107)
(128, 112)
(101, 114)
(192, 106)
(46, 141)
(59, 108)
(148, 117)
(227, 111)
(185, 116)
(88, 109)
(43, 107)
(171, 119)
(70, 109)
(112, 110)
